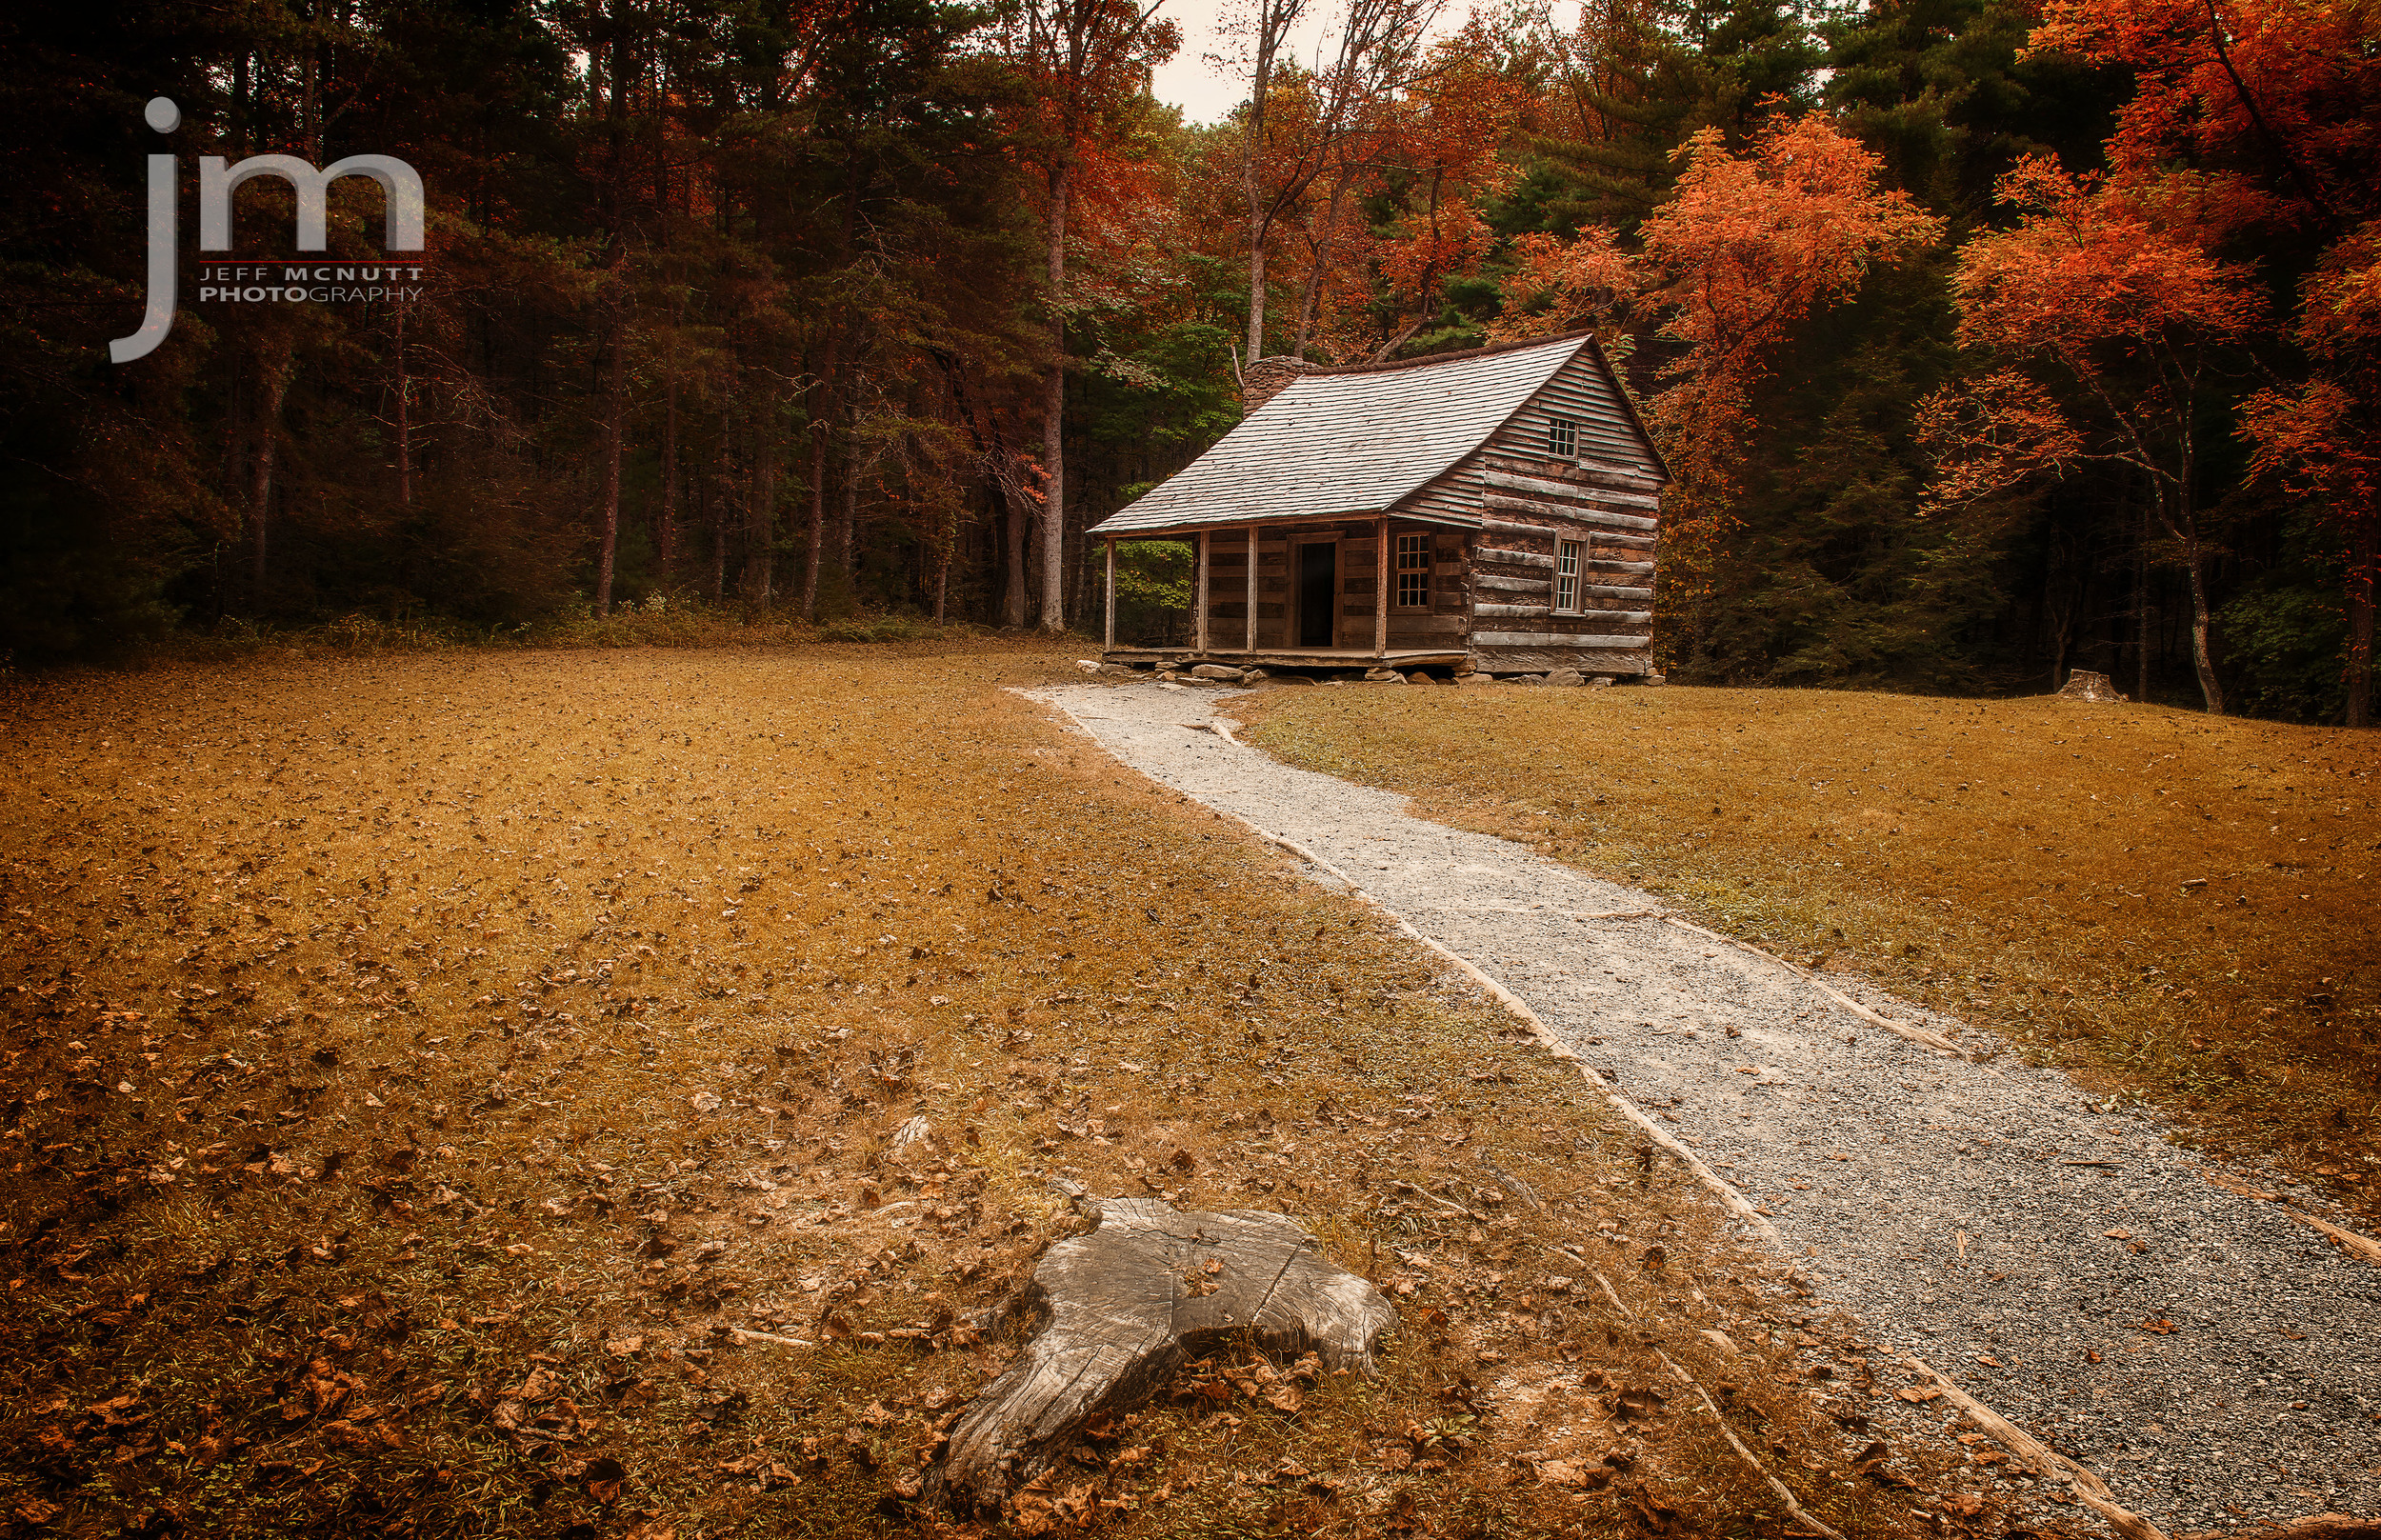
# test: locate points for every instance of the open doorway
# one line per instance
(1318, 591)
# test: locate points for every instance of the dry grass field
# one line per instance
(2179, 909)
(415, 1066)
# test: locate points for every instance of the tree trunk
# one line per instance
(1256, 291)
(1311, 301)
(2141, 609)
(760, 560)
(616, 387)
(273, 388)
(719, 532)
(1012, 593)
(405, 423)
(847, 523)
(814, 533)
(1053, 542)
(822, 412)
(666, 525)
(1121, 1313)
(2363, 559)
(2202, 655)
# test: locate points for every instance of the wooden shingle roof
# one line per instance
(1350, 441)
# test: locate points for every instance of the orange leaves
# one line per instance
(1751, 246)
(1754, 244)
(2280, 98)
(1590, 281)
(2087, 265)
(1991, 433)
(2316, 442)
(2100, 282)
(1432, 245)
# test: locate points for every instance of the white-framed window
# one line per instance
(1566, 556)
(1413, 571)
(1562, 437)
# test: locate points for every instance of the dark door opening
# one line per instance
(1318, 592)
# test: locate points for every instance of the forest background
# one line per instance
(1987, 338)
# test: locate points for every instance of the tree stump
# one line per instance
(2083, 685)
(1125, 1306)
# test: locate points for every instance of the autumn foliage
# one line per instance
(1723, 276)
(2254, 130)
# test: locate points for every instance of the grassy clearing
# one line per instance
(415, 1063)
(2179, 907)
(657, 622)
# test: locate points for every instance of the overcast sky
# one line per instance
(1206, 94)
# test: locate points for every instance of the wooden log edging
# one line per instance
(2346, 1240)
(1793, 1509)
(1899, 1028)
(2089, 1490)
(1734, 1201)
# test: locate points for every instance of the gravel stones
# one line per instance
(2217, 1364)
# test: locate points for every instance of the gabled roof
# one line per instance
(1355, 440)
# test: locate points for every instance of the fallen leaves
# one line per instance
(543, 1119)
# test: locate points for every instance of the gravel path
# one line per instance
(2213, 1360)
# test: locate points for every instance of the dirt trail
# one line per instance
(2216, 1361)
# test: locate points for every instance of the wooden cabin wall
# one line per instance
(1529, 506)
(1606, 495)
(1584, 393)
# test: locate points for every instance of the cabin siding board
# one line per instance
(1583, 390)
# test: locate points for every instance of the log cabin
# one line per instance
(1491, 511)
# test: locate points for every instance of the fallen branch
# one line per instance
(2348, 1240)
(750, 1335)
(2089, 1490)
(1899, 1028)
(1793, 1510)
(1432, 1197)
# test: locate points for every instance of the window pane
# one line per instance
(1413, 570)
(1562, 437)
(1566, 576)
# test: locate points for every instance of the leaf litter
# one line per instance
(582, 1094)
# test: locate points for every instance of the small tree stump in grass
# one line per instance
(2083, 685)
(1126, 1305)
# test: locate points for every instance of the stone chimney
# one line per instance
(1269, 377)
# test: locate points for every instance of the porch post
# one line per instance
(1252, 588)
(1112, 594)
(1380, 594)
(1198, 627)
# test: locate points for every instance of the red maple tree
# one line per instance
(2259, 121)
(1751, 246)
(2093, 290)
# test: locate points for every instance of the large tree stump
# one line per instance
(1126, 1305)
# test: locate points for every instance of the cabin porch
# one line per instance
(1318, 592)
(1296, 657)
